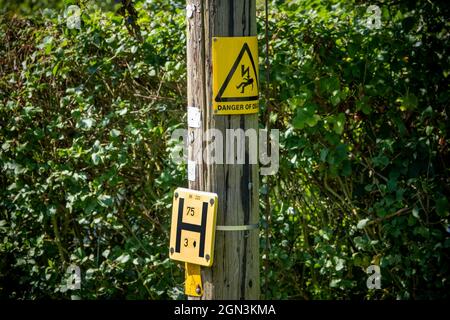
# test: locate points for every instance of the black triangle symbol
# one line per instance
(219, 97)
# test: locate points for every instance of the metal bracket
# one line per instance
(193, 284)
(238, 228)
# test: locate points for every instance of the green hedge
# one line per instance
(364, 177)
(85, 177)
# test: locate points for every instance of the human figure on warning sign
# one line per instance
(245, 73)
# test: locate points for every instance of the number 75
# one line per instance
(191, 211)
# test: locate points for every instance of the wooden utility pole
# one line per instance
(235, 271)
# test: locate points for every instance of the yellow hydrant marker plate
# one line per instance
(235, 75)
(193, 226)
(193, 285)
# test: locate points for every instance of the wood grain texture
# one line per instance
(235, 272)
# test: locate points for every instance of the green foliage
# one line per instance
(364, 176)
(85, 121)
(85, 116)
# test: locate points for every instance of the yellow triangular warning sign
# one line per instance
(235, 75)
(241, 83)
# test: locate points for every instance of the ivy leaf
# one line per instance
(364, 105)
(362, 223)
(306, 115)
(114, 133)
(105, 200)
(340, 263)
(299, 121)
(442, 207)
(87, 123)
(123, 258)
(339, 123)
(106, 253)
(408, 102)
(415, 212)
(335, 282)
(95, 158)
